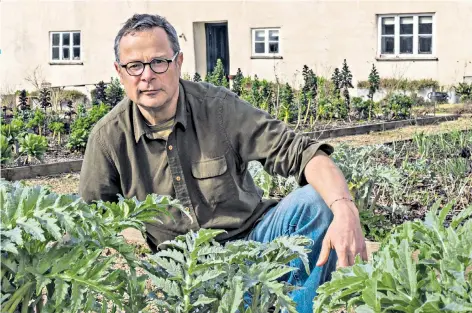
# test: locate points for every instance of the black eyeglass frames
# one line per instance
(157, 65)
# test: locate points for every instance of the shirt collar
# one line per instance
(140, 127)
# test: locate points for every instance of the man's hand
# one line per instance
(344, 235)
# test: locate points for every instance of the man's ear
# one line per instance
(180, 60)
(118, 69)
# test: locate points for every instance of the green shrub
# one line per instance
(346, 83)
(464, 90)
(78, 140)
(57, 128)
(23, 105)
(72, 95)
(97, 112)
(438, 279)
(34, 146)
(309, 93)
(287, 111)
(13, 130)
(6, 149)
(45, 98)
(186, 76)
(237, 87)
(218, 76)
(81, 127)
(374, 82)
(99, 93)
(114, 92)
(197, 78)
(37, 121)
(397, 106)
(403, 84)
(331, 107)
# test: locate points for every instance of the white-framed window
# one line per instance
(66, 46)
(266, 42)
(406, 36)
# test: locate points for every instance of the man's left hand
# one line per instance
(344, 235)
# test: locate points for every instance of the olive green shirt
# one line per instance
(203, 162)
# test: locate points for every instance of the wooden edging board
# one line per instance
(26, 172)
(378, 127)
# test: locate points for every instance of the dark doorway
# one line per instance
(217, 45)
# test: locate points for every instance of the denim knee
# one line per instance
(307, 198)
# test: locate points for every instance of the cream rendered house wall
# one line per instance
(317, 33)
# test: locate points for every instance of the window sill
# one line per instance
(262, 57)
(66, 63)
(406, 58)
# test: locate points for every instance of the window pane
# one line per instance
(259, 35)
(425, 45)
(76, 53)
(76, 39)
(260, 47)
(273, 35)
(55, 53)
(55, 39)
(65, 54)
(273, 47)
(406, 25)
(425, 25)
(388, 26)
(406, 44)
(65, 39)
(388, 45)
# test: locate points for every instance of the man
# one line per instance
(193, 141)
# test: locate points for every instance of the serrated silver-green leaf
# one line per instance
(365, 309)
(176, 255)
(169, 265)
(41, 283)
(8, 246)
(49, 223)
(76, 297)
(169, 287)
(202, 300)
(15, 235)
(32, 227)
(233, 297)
(206, 276)
(60, 291)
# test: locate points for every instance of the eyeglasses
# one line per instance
(157, 65)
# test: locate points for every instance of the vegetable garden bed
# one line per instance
(55, 153)
(378, 127)
(395, 183)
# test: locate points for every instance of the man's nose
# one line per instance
(147, 74)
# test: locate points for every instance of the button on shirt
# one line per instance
(202, 160)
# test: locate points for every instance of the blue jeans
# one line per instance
(302, 212)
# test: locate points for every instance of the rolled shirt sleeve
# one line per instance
(256, 136)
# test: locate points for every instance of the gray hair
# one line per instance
(140, 22)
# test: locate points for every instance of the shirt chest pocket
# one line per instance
(214, 180)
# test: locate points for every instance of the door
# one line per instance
(217, 45)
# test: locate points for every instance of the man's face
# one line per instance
(149, 89)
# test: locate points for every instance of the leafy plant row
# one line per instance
(56, 258)
(422, 267)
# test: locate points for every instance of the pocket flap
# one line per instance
(209, 168)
